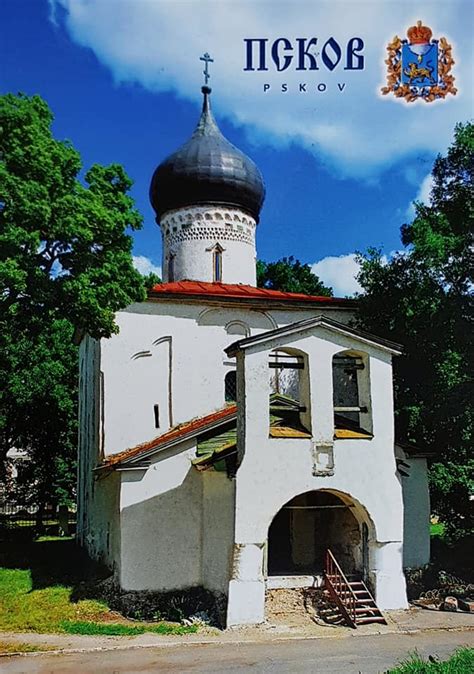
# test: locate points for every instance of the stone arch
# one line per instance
(271, 319)
(237, 328)
(307, 524)
(255, 320)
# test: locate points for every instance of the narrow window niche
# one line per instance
(171, 260)
(230, 386)
(290, 411)
(217, 264)
(351, 387)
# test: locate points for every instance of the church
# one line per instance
(237, 438)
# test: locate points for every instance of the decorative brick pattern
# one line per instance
(206, 222)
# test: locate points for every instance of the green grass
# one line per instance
(9, 647)
(461, 662)
(25, 609)
(40, 585)
(437, 530)
(119, 629)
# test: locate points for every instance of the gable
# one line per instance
(293, 330)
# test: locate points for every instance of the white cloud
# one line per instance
(145, 266)
(359, 132)
(422, 195)
(339, 273)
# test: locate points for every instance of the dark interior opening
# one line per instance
(230, 385)
(305, 528)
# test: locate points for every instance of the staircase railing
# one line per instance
(339, 589)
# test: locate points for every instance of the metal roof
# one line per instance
(236, 292)
(207, 169)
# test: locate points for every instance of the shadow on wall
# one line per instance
(166, 541)
(161, 535)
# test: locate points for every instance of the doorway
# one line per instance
(306, 527)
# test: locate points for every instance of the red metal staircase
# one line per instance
(352, 597)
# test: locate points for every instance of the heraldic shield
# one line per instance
(420, 67)
(420, 64)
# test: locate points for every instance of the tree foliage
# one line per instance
(64, 246)
(423, 299)
(290, 275)
(39, 408)
(65, 266)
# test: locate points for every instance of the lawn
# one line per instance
(39, 584)
(9, 647)
(461, 662)
(437, 529)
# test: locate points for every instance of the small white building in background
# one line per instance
(230, 434)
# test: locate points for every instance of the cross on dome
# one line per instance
(207, 59)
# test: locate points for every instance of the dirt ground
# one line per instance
(296, 607)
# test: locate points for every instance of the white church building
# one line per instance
(231, 435)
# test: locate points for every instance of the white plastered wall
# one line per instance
(89, 423)
(190, 236)
(175, 347)
(273, 471)
(161, 522)
(176, 525)
(161, 347)
(218, 530)
(416, 499)
(98, 528)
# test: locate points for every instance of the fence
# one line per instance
(29, 521)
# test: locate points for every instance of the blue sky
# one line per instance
(123, 79)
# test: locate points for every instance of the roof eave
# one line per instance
(139, 457)
(308, 324)
(258, 302)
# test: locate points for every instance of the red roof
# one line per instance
(238, 291)
(188, 428)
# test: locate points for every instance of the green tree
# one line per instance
(39, 408)
(290, 275)
(422, 298)
(65, 268)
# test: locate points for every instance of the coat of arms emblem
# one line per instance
(420, 67)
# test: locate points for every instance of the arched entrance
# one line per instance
(307, 526)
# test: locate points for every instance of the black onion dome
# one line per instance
(207, 169)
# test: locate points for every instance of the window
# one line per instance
(231, 386)
(171, 267)
(289, 393)
(351, 391)
(218, 264)
(156, 412)
(216, 251)
(285, 373)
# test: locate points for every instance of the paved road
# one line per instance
(366, 654)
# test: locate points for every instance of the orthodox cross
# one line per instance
(207, 59)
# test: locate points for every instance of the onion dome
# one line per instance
(207, 169)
